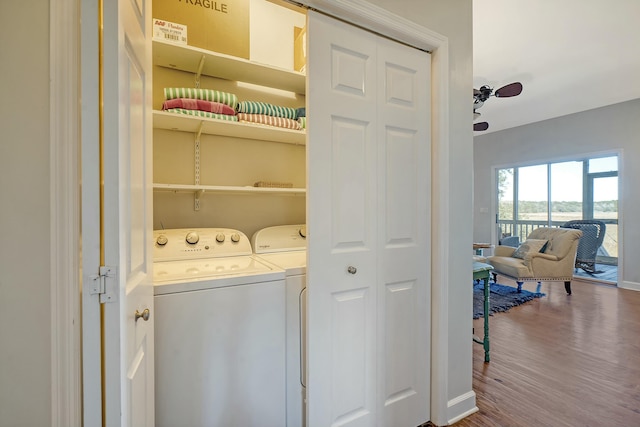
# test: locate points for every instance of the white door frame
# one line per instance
(65, 184)
(64, 122)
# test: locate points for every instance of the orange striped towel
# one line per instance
(269, 120)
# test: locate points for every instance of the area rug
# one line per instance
(502, 298)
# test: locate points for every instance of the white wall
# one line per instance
(25, 316)
(611, 129)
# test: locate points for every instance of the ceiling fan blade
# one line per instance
(480, 126)
(512, 89)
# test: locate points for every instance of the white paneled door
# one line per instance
(124, 215)
(368, 217)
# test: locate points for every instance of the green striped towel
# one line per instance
(255, 107)
(206, 94)
(303, 122)
(206, 114)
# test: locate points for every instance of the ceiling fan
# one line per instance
(482, 94)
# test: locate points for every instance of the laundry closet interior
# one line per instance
(232, 157)
(229, 155)
(355, 173)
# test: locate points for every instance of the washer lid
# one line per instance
(209, 268)
(172, 277)
(280, 238)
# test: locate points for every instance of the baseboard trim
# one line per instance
(633, 286)
(461, 407)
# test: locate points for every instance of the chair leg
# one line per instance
(520, 286)
(567, 287)
(538, 287)
(495, 277)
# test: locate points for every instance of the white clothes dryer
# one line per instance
(285, 247)
(219, 331)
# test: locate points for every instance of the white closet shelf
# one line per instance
(201, 189)
(185, 123)
(188, 58)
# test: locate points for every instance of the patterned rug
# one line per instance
(502, 298)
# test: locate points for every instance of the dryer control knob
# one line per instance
(303, 232)
(192, 237)
(162, 240)
(235, 237)
(220, 237)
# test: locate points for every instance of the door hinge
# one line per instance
(105, 284)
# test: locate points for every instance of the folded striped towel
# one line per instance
(269, 120)
(198, 104)
(303, 122)
(255, 107)
(205, 94)
(206, 114)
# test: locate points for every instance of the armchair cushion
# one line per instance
(504, 251)
(530, 245)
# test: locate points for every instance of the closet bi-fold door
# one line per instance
(368, 219)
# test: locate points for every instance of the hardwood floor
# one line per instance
(561, 361)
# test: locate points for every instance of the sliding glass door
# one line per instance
(601, 194)
(550, 194)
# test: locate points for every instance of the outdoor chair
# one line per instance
(548, 254)
(593, 232)
(510, 241)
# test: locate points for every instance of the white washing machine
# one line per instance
(219, 331)
(285, 246)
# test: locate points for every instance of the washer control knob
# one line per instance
(220, 237)
(192, 237)
(235, 237)
(303, 232)
(162, 240)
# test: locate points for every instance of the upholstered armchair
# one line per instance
(548, 254)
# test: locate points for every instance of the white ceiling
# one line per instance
(570, 56)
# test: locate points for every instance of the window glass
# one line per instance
(605, 198)
(505, 193)
(533, 194)
(603, 164)
(566, 191)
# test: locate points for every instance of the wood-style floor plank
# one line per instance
(561, 361)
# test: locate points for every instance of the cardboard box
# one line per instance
(219, 26)
(299, 49)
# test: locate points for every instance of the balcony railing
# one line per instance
(607, 254)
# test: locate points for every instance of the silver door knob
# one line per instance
(145, 314)
(352, 270)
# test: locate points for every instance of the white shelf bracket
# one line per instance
(196, 199)
(196, 153)
(199, 131)
(199, 72)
